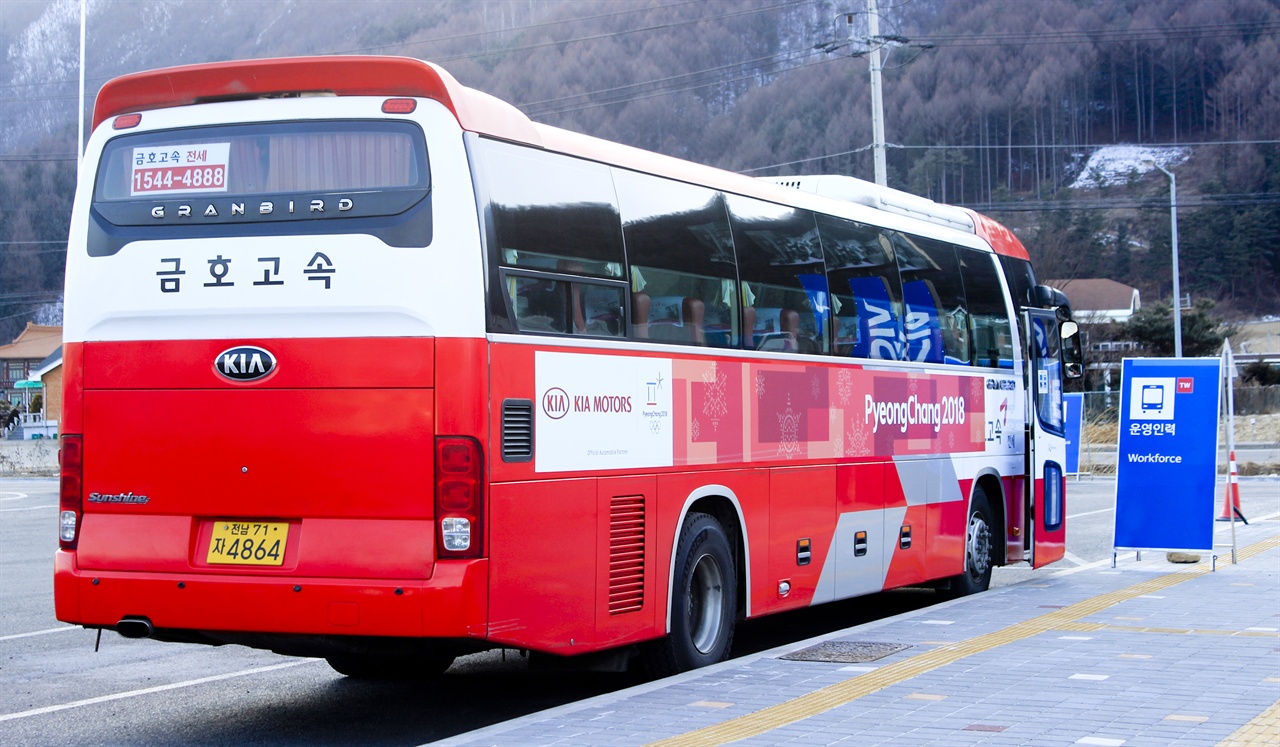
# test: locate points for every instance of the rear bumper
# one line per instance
(452, 604)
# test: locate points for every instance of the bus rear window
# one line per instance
(263, 159)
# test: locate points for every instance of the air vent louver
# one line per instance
(517, 430)
(626, 554)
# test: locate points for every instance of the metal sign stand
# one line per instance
(1229, 373)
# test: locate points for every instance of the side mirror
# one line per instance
(1072, 350)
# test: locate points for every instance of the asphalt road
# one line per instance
(54, 688)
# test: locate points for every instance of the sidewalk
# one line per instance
(1147, 654)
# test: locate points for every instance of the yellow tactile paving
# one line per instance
(833, 696)
(1263, 731)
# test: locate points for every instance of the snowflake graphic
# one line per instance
(714, 405)
(694, 429)
(837, 437)
(856, 438)
(655, 426)
(815, 387)
(844, 386)
(760, 384)
(789, 425)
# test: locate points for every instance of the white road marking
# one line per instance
(46, 631)
(1071, 557)
(151, 690)
(16, 496)
(1089, 513)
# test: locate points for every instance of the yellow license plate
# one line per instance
(248, 542)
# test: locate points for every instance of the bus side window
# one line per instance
(553, 216)
(784, 277)
(992, 332)
(937, 314)
(866, 301)
(682, 265)
(559, 305)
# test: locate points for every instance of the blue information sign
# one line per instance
(1168, 453)
(1073, 402)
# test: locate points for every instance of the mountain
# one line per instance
(996, 104)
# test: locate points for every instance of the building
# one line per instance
(42, 422)
(1102, 307)
(25, 355)
(1099, 300)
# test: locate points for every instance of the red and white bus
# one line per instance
(364, 364)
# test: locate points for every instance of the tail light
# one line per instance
(459, 498)
(399, 106)
(70, 492)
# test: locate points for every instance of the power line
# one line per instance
(512, 30)
(743, 75)
(611, 34)
(1071, 146)
(520, 29)
(1045, 206)
(1149, 34)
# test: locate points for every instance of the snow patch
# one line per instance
(1115, 164)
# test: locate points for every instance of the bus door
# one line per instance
(1046, 441)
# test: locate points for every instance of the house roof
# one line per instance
(48, 364)
(36, 343)
(1097, 294)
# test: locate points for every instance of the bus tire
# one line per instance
(373, 667)
(704, 601)
(979, 548)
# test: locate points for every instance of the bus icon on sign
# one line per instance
(1151, 398)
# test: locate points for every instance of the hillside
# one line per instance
(995, 104)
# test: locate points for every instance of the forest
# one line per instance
(992, 104)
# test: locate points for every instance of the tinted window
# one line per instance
(784, 283)
(554, 242)
(683, 278)
(1021, 279)
(543, 302)
(866, 295)
(551, 212)
(992, 336)
(937, 324)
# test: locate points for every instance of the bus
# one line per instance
(363, 364)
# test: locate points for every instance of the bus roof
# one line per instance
(337, 76)
(404, 76)
(1001, 239)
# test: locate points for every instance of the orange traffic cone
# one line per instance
(1231, 497)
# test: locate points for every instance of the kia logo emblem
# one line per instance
(555, 403)
(245, 363)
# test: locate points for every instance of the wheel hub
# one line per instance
(978, 546)
(706, 603)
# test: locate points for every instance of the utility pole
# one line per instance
(877, 101)
(80, 101)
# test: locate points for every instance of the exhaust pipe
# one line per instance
(135, 627)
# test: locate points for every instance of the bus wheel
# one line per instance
(704, 601)
(979, 551)
(371, 667)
